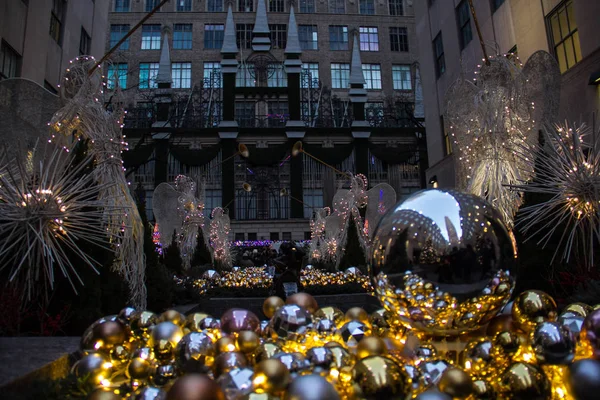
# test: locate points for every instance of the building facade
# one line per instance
(198, 82)
(449, 46)
(38, 38)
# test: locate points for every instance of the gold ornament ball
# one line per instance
(333, 314)
(247, 341)
(476, 358)
(379, 376)
(164, 339)
(195, 387)
(193, 322)
(225, 344)
(506, 345)
(532, 307)
(139, 368)
(270, 376)
(580, 309)
(358, 314)
(456, 383)
(371, 346)
(259, 396)
(271, 305)
(483, 390)
(500, 323)
(225, 362)
(95, 367)
(103, 394)
(303, 300)
(267, 350)
(173, 316)
(523, 381)
(142, 321)
(109, 334)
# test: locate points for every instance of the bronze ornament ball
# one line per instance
(225, 344)
(109, 334)
(193, 322)
(270, 376)
(164, 338)
(380, 377)
(173, 316)
(358, 314)
(303, 300)
(523, 381)
(140, 368)
(195, 387)
(195, 352)
(371, 346)
(331, 313)
(103, 394)
(94, 367)
(225, 362)
(238, 319)
(456, 383)
(443, 262)
(248, 341)
(532, 307)
(272, 304)
(311, 387)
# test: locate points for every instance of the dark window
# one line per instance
(10, 62)
(396, 7)
(240, 236)
(213, 36)
(496, 4)
(367, 7)
(215, 5)
(338, 37)
(307, 6)
(463, 18)
(150, 37)
(278, 35)
(184, 5)
(274, 236)
(307, 235)
(446, 139)
(182, 36)
(252, 236)
(85, 43)
(121, 5)
(398, 39)
(438, 51)
(308, 37)
(116, 33)
(245, 5)
(286, 236)
(564, 35)
(276, 6)
(56, 20)
(150, 4)
(337, 6)
(244, 35)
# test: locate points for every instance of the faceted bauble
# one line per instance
(290, 322)
(236, 382)
(443, 262)
(195, 352)
(237, 320)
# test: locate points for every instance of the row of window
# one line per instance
(182, 75)
(365, 7)
(308, 35)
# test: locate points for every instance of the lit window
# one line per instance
(310, 75)
(340, 76)
(245, 5)
(367, 7)
(565, 36)
(117, 71)
(116, 33)
(398, 39)
(213, 36)
(463, 18)
(182, 36)
(121, 5)
(401, 77)
(337, 6)
(243, 77)
(308, 37)
(369, 39)
(276, 76)
(438, 51)
(307, 6)
(278, 35)
(9, 61)
(212, 75)
(244, 35)
(147, 77)
(338, 37)
(276, 6)
(372, 75)
(396, 7)
(184, 5)
(181, 74)
(151, 37)
(214, 5)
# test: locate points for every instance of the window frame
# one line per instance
(125, 44)
(372, 76)
(304, 33)
(211, 38)
(124, 7)
(399, 70)
(399, 39)
(209, 68)
(217, 5)
(344, 75)
(186, 7)
(14, 61)
(336, 7)
(85, 43)
(150, 4)
(152, 39)
(245, 5)
(311, 67)
(344, 44)
(152, 68)
(122, 74)
(184, 30)
(177, 75)
(243, 37)
(307, 6)
(439, 58)
(368, 32)
(366, 7)
(572, 35)
(278, 34)
(465, 30)
(276, 6)
(397, 5)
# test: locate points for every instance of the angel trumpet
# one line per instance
(242, 151)
(297, 149)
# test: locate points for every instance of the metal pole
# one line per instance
(485, 56)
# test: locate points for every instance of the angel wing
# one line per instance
(164, 206)
(381, 198)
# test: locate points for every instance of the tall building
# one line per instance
(449, 46)
(199, 83)
(38, 38)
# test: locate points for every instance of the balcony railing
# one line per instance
(263, 121)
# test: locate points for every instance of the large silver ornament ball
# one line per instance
(290, 322)
(443, 262)
(311, 387)
(553, 343)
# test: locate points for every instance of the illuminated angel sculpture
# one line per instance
(180, 215)
(84, 116)
(219, 236)
(317, 233)
(491, 119)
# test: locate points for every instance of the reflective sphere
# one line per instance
(476, 358)
(353, 332)
(311, 387)
(151, 393)
(443, 262)
(94, 367)
(164, 374)
(195, 387)
(193, 322)
(380, 377)
(228, 361)
(553, 343)
(236, 382)
(238, 319)
(195, 353)
(591, 331)
(290, 322)
(573, 322)
(431, 371)
(522, 381)
(456, 383)
(320, 357)
(294, 362)
(164, 338)
(331, 313)
(211, 274)
(532, 307)
(270, 376)
(584, 379)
